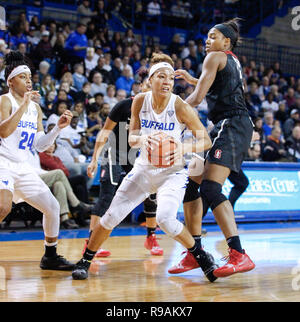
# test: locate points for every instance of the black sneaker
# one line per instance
(80, 271)
(207, 264)
(69, 224)
(57, 263)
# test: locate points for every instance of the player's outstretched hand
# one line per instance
(65, 119)
(183, 74)
(28, 96)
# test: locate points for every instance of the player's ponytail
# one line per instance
(234, 25)
(14, 59)
(159, 58)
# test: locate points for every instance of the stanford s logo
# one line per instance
(218, 154)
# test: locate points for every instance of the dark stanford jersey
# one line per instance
(225, 97)
(118, 147)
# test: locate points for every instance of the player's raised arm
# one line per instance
(135, 140)
(101, 139)
(209, 70)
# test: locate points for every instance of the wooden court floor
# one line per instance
(131, 274)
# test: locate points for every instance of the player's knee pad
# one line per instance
(171, 226)
(192, 191)
(166, 214)
(150, 206)
(118, 210)
(242, 184)
(212, 193)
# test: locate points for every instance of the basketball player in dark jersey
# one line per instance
(117, 162)
(222, 84)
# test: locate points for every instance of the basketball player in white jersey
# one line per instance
(152, 112)
(20, 129)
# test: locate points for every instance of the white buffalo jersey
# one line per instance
(15, 147)
(166, 121)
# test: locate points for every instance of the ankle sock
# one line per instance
(89, 254)
(235, 243)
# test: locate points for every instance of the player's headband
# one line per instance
(157, 66)
(228, 32)
(17, 71)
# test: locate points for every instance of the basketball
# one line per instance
(157, 155)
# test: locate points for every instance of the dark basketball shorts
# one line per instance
(231, 140)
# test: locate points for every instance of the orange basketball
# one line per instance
(157, 155)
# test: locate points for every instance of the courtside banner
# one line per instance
(273, 193)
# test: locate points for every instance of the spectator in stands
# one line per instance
(85, 12)
(269, 105)
(22, 48)
(126, 64)
(32, 38)
(49, 106)
(78, 77)
(107, 75)
(153, 9)
(282, 114)
(264, 88)
(121, 94)
(77, 140)
(98, 100)
(175, 46)
(43, 50)
(70, 92)
(58, 110)
(177, 10)
(78, 183)
(34, 22)
(60, 186)
(76, 44)
(290, 123)
(187, 65)
(296, 105)
(276, 69)
(110, 96)
(125, 81)
(290, 97)
(79, 107)
(19, 37)
(44, 68)
(293, 144)
(3, 47)
(274, 149)
(252, 109)
(268, 123)
(98, 86)
(101, 17)
(47, 85)
(254, 153)
(116, 69)
(90, 61)
(254, 97)
(94, 122)
(278, 97)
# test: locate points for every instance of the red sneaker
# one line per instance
(152, 244)
(186, 264)
(237, 263)
(100, 253)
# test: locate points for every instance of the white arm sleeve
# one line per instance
(42, 141)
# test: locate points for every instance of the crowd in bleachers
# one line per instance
(90, 69)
